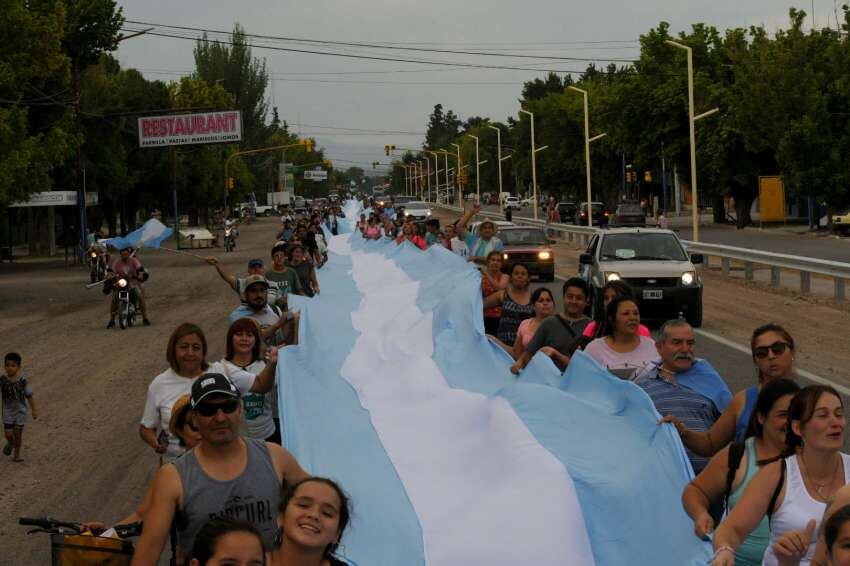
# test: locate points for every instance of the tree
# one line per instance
(242, 75)
(36, 122)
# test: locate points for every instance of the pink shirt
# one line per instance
(525, 333)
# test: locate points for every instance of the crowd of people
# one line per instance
(767, 460)
(227, 491)
(771, 485)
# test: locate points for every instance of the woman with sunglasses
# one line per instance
(186, 353)
(793, 492)
(773, 355)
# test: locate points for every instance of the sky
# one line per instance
(335, 99)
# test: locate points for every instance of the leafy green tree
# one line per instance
(36, 122)
(242, 75)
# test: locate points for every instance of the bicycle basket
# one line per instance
(89, 550)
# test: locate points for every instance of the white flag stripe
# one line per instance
(484, 489)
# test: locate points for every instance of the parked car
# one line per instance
(654, 263)
(529, 246)
(628, 213)
(841, 222)
(512, 203)
(417, 210)
(600, 214)
(567, 211)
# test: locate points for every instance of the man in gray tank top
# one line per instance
(224, 476)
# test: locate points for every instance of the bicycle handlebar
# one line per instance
(48, 524)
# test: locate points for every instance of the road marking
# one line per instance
(801, 372)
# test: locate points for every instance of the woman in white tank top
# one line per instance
(798, 486)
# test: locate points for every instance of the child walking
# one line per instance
(16, 394)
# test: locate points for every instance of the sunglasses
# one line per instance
(211, 409)
(777, 348)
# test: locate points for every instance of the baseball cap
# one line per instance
(254, 280)
(212, 384)
(256, 262)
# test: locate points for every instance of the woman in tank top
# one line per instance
(773, 355)
(796, 488)
(515, 302)
(764, 443)
(493, 281)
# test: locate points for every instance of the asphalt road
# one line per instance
(822, 246)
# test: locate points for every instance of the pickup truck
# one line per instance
(259, 210)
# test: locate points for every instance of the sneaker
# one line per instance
(111, 324)
(7, 450)
(146, 322)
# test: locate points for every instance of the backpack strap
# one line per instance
(772, 507)
(736, 454)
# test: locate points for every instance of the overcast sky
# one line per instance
(336, 92)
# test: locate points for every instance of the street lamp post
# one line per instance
(477, 169)
(692, 127)
(533, 163)
(446, 171)
(436, 173)
(458, 187)
(498, 154)
(428, 175)
(587, 140)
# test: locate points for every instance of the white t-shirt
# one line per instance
(257, 407)
(459, 247)
(164, 391)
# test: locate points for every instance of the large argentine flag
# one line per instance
(449, 459)
(150, 235)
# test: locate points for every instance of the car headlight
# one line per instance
(122, 282)
(611, 276)
(544, 255)
(427, 213)
(406, 213)
(689, 277)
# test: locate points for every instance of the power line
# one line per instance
(369, 57)
(385, 46)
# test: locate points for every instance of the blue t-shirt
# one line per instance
(479, 247)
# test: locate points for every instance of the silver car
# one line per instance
(656, 266)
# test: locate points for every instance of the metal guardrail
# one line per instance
(838, 271)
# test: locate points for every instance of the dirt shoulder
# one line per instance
(83, 458)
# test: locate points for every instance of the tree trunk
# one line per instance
(718, 206)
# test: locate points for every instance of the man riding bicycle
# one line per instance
(129, 267)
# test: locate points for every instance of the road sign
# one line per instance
(315, 175)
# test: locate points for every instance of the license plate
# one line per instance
(653, 294)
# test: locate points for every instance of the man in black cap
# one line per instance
(271, 318)
(224, 476)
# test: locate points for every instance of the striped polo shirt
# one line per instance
(696, 411)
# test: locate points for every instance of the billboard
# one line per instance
(55, 198)
(186, 129)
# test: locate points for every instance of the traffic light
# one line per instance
(647, 176)
(387, 149)
(308, 145)
(229, 183)
(375, 164)
(329, 164)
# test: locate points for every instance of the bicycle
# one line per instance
(74, 545)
